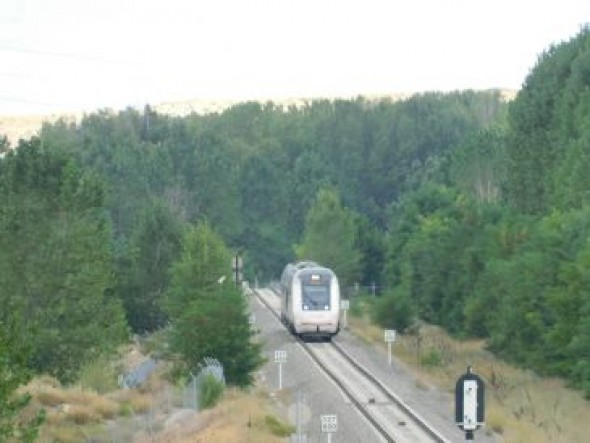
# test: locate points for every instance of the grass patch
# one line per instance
(75, 412)
(133, 402)
(156, 344)
(210, 391)
(81, 415)
(99, 375)
(105, 407)
(64, 434)
(277, 427)
(51, 397)
(240, 417)
(432, 358)
(520, 406)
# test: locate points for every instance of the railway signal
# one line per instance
(237, 265)
(469, 403)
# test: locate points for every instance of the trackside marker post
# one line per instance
(280, 358)
(329, 425)
(389, 336)
(469, 403)
(344, 306)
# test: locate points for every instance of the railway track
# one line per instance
(389, 415)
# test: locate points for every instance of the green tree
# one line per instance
(13, 374)
(56, 266)
(548, 125)
(4, 144)
(478, 165)
(155, 244)
(330, 237)
(217, 326)
(208, 312)
(203, 263)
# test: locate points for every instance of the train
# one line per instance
(310, 300)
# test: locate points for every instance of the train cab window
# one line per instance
(315, 293)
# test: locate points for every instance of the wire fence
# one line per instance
(192, 392)
(170, 407)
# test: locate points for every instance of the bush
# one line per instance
(360, 305)
(278, 428)
(210, 390)
(432, 358)
(394, 310)
(99, 375)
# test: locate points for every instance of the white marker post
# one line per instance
(344, 306)
(469, 403)
(329, 425)
(389, 336)
(280, 358)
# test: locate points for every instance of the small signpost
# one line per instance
(329, 425)
(469, 403)
(280, 358)
(389, 336)
(344, 307)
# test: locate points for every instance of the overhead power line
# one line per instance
(68, 55)
(22, 100)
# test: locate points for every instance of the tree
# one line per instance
(4, 145)
(330, 237)
(547, 122)
(208, 313)
(14, 354)
(155, 244)
(477, 166)
(218, 327)
(56, 267)
(203, 263)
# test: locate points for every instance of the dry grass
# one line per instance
(74, 412)
(239, 417)
(135, 402)
(520, 406)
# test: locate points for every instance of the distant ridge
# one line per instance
(25, 127)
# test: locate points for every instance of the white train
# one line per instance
(310, 300)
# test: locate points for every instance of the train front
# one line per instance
(319, 307)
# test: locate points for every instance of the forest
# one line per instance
(461, 209)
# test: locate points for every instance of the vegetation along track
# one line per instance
(394, 420)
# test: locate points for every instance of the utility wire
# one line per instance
(21, 100)
(83, 57)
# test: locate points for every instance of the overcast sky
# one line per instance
(83, 54)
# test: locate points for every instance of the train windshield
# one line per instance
(316, 297)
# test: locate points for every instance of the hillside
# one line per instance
(16, 127)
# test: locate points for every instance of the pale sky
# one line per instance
(72, 55)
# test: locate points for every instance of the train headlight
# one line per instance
(305, 307)
(326, 308)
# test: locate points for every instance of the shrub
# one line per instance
(394, 310)
(210, 390)
(433, 358)
(357, 307)
(81, 415)
(99, 375)
(278, 428)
